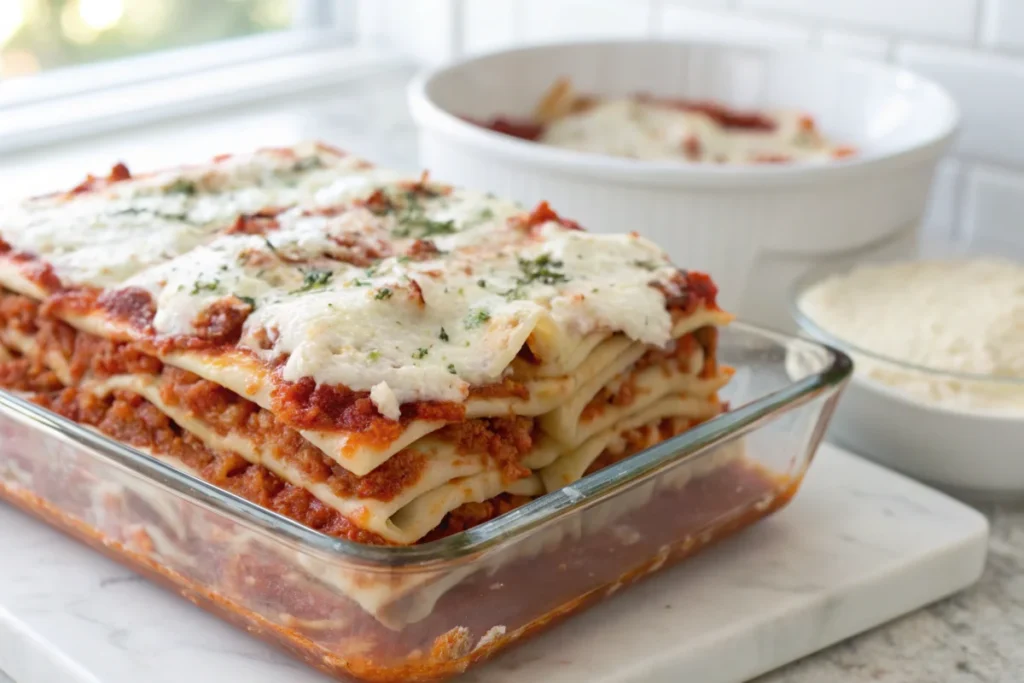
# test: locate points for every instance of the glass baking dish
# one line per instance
(427, 612)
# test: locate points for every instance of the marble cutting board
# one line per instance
(858, 546)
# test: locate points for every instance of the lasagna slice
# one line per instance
(383, 359)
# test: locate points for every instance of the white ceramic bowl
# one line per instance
(755, 228)
(973, 454)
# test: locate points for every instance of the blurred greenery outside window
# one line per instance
(37, 35)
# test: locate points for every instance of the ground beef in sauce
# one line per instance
(129, 418)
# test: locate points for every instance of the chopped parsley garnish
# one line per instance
(646, 265)
(247, 300)
(514, 294)
(443, 336)
(451, 368)
(485, 214)
(420, 353)
(200, 286)
(476, 318)
(359, 283)
(403, 259)
(372, 270)
(417, 225)
(543, 269)
(482, 284)
(383, 293)
(307, 164)
(314, 279)
(181, 186)
(271, 247)
(373, 355)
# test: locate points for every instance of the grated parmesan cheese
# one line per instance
(962, 317)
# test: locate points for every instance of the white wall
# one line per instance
(974, 47)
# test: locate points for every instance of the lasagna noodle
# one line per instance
(249, 378)
(451, 479)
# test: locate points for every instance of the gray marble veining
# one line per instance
(976, 636)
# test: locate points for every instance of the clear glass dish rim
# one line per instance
(817, 275)
(467, 544)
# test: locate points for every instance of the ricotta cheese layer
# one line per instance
(951, 316)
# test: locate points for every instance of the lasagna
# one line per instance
(385, 359)
(652, 128)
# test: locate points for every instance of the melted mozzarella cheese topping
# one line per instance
(648, 130)
(415, 329)
(962, 317)
(416, 299)
(101, 238)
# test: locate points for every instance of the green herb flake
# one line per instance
(307, 164)
(443, 336)
(646, 265)
(420, 353)
(476, 318)
(382, 294)
(314, 279)
(247, 300)
(182, 186)
(271, 247)
(373, 355)
(419, 226)
(451, 368)
(482, 284)
(200, 286)
(543, 269)
(483, 216)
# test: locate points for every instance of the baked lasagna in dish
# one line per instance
(655, 128)
(384, 359)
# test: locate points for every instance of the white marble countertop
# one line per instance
(974, 637)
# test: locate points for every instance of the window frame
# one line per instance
(325, 45)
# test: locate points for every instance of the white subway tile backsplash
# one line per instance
(490, 24)
(857, 44)
(941, 217)
(560, 19)
(993, 210)
(990, 92)
(703, 4)
(945, 19)
(685, 22)
(1003, 24)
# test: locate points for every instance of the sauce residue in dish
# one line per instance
(964, 317)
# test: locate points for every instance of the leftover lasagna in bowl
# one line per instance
(645, 127)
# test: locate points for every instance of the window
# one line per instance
(37, 35)
(70, 69)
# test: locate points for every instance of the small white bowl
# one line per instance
(755, 228)
(971, 453)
